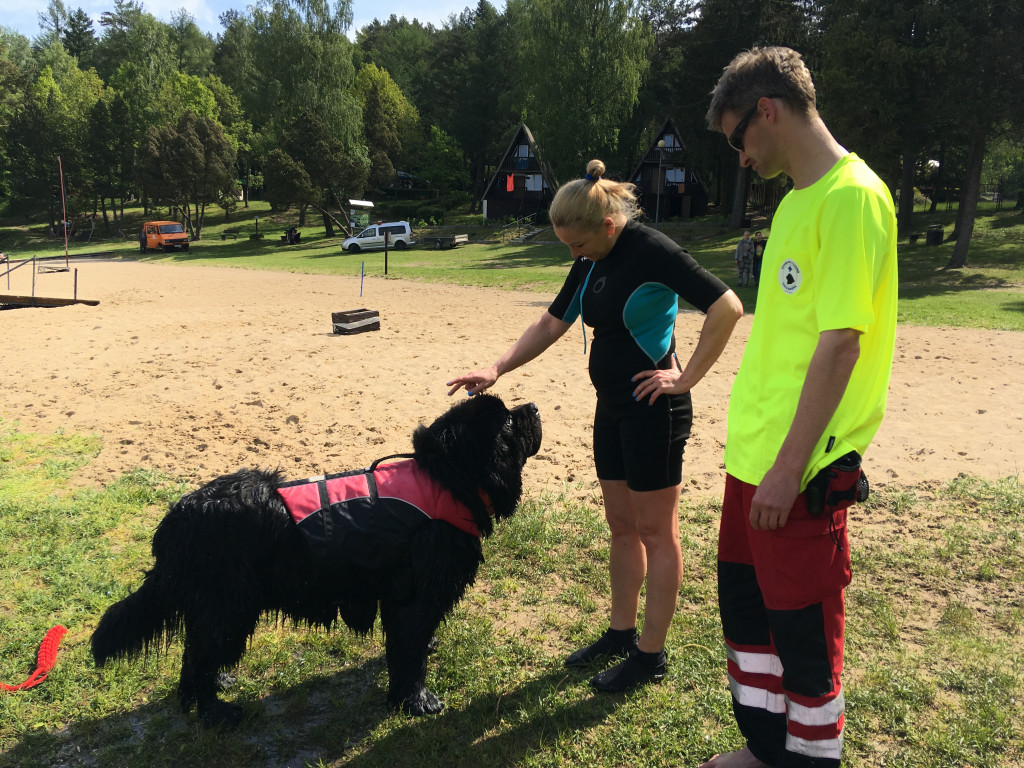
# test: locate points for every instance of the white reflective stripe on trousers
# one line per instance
(827, 714)
(824, 748)
(755, 663)
(757, 698)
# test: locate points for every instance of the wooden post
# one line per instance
(33, 275)
(76, 283)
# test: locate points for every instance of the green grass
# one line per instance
(933, 663)
(987, 294)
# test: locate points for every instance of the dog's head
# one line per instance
(477, 451)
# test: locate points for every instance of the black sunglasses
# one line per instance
(735, 138)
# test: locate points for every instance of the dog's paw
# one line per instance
(423, 702)
(220, 714)
(225, 681)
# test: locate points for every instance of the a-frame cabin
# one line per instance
(521, 184)
(668, 186)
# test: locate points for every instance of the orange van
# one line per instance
(169, 235)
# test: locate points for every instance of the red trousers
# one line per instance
(780, 596)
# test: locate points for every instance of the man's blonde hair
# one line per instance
(775, 71)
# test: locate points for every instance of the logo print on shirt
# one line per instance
(599, 285)
(789, 276)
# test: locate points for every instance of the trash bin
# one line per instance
(934, 235)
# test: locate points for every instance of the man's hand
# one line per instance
(774, 498)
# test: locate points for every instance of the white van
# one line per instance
(398, 232)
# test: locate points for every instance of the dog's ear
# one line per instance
(468, 430)
(424, 442)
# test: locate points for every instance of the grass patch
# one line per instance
(933, 654)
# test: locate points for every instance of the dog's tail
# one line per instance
(132, 625)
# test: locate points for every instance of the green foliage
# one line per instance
(586, 61)
(78, 36)
(193, 50)
(390, 122)
(445, 164)
(189, 165)
(286, 181)
(181, 93)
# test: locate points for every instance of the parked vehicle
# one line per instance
(449, 241)
(168, 235)
(398, 232)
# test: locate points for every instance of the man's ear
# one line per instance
(769, 109)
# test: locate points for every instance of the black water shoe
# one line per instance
(639, 668)
(614, 642)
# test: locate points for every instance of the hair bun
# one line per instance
(595, 170)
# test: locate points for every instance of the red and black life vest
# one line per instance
(368, 515)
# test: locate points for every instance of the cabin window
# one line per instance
(523, 155)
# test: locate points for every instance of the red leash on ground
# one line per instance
(45, 660)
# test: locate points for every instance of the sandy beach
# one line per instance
(197, 371)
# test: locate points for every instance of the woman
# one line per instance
(625, 281)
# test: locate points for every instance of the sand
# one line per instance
(198, 371)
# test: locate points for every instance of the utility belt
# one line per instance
(837, 486)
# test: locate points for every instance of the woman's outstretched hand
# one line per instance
(474, 382)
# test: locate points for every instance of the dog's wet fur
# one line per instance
(229, 552)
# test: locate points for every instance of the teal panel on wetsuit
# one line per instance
(573, 310)
(649, 315)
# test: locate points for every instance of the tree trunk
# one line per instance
(906, 212)
(739, 197)
(200, 217)
(328, 225)
(968, 201)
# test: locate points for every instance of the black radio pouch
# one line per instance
(837, 486)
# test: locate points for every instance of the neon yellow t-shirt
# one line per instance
(830, 263)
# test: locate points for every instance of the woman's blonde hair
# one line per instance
(585, 202)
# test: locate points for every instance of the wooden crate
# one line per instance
(355, 321)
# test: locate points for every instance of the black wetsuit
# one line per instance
(630, 299)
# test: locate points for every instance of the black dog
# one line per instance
(232, 550)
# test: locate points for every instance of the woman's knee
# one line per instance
(657, 539)
(622, 523)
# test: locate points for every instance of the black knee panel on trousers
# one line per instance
(744, 619)
(800, 636)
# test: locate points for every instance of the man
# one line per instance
(807, 400)
(744, 253)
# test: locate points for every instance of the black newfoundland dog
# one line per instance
(404, 535)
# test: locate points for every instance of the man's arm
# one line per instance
(827, 377)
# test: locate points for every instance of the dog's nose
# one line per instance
(533, 407)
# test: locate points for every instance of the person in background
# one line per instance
(807, 400)
(625, 282)
(757, 257)
(744, 254)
